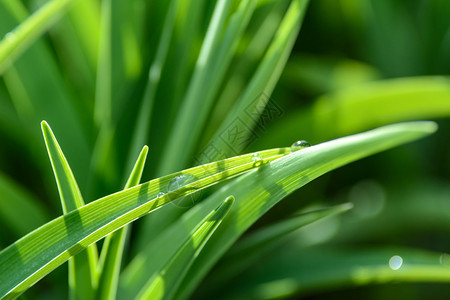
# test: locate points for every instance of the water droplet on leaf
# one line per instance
(257, 159)
(160, 194)
(177, 183)
(299, 145)
(395, 262)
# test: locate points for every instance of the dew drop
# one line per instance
(257, 159)
(299, 145)
(395, 262)
(178, 182)
(160, 194)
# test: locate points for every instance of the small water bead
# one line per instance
(257, 159)
(178, 182)
(160, 194)
(395, 262)
(299, 145)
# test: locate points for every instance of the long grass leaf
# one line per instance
(256, 192)
(55, 242)
(248, 108)
(82, 268)
(154, 76)
(214, 58)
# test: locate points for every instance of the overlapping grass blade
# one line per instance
(38, 253)
(154, 76)
(256, 192)
(19, 39)
(217, 51)
(29, 88)
(112, 250)
(292, 271)
(164, 283)
(83, 267)
(255, 41)
(214, 58)
(249, 106)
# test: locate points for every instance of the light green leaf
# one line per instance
(82, 268)
(112, 250)
(35, 255)
(256, 192)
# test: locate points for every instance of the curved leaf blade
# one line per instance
(32, 257)
(256, 192)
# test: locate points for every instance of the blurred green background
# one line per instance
(355, 65)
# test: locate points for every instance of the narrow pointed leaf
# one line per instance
(82, 268)
(112, 250)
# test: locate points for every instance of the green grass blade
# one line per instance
(27, 89)
(82, 268)
(69, 192)
(16, 205)
(19, 39)
(112, 251)
(266, 76)
(256, 192)
(188, 125)
(293, 270)
(143, 119)
(102, 111)
(163, 284)
(214, 58)
(55, 242)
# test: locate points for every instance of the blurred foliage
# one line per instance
(110, 76)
